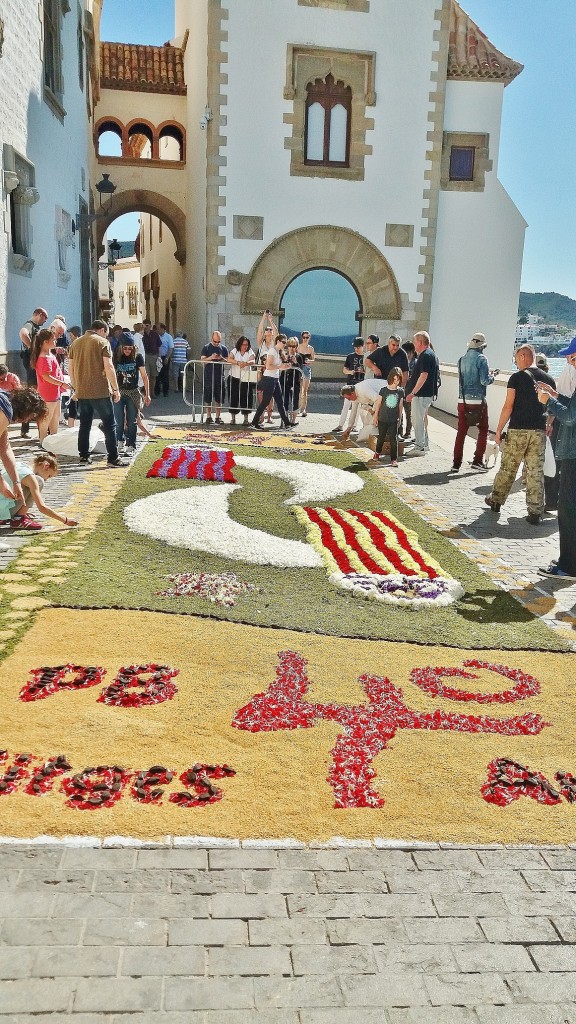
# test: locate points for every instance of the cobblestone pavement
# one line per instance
(228, 933)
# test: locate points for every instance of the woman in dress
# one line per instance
(241, 358)
(131, 375)
(306, 350)
(50, 379)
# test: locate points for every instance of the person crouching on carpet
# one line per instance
(32, 479)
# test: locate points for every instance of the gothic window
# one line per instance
(327, 131)
(331, 91)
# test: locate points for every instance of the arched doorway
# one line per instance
(330, 248)
(327, 304)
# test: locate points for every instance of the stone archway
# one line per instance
(143, 201)
(323, 247)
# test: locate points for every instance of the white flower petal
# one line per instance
(312, 481)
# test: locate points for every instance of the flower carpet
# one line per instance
(205, 675)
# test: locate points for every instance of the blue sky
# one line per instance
(538, 150)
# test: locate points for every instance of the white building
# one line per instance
(45, 96)
(360, 136)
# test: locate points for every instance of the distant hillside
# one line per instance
(554, 308)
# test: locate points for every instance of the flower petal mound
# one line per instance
(180, 463)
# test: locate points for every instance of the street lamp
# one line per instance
(115, 249)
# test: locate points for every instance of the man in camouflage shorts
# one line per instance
(526, 439)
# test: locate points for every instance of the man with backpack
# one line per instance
(422, 389)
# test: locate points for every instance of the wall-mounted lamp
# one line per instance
(114, 248)
(104, 187)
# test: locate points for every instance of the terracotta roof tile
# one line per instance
(142, 68)
(471, 55)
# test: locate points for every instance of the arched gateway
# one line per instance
(330, 248)
(138, 200)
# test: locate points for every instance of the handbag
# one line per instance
(549, 460)
(159, 364)
(472, 413)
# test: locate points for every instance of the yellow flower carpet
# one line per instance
(151, 724)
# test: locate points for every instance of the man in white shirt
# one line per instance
(138, 335)
(165, 354)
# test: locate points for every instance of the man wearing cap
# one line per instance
(384, 359)
(526, 440)
(474, 377)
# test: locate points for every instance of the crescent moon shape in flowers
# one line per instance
(198, 518)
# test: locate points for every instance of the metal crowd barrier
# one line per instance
(206, 385)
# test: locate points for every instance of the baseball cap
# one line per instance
(569, 350)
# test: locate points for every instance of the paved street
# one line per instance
(220, 932)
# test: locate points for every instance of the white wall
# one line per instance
(59, 153)
(258, 165)
(480, 242)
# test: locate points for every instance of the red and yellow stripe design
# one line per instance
(365, 542)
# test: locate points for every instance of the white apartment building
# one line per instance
(45, 99)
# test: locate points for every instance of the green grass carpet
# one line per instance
(122, 569)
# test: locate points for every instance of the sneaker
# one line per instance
(481, 466)
(394, 464)
(337, 430)
(416, 451)
(207, 421)
(375, 458)
(556, 573)
(257, 426)
(117, 464)
(219, 421)
(488, 500)
(86, 459)
(533, 518)
(24, 523)
(130, 451)
(303, 413)
(454, 469)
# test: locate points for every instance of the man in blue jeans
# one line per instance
(421, 390)
(93, 377)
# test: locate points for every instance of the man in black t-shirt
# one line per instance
(384, 359)
(526, 439)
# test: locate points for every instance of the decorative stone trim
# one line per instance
(400, 235)
(481, 144)
(215, 141)
(431, 194)
(248, 227)
(333, 248)
(355, 68)
(362, 6)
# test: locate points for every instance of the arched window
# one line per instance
(327, 130)
(109, 138)
(140, 140)
(171, 142)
